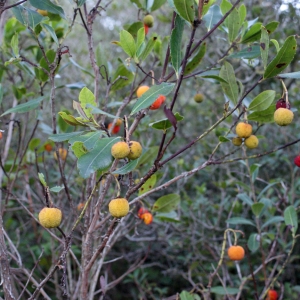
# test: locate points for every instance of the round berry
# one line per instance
(236, 252)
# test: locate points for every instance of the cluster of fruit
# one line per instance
(244, 134)
(157, 103)
(145, 215)
(131, 150)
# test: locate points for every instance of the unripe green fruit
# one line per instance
(237, 141)
(251, 142)
(120, 150)
(148, 20)
(50, 217)
(118, 207)
(283, 116)
(199, 98)
(135, 150)
(243, 130)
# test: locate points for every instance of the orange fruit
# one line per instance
(80, 206)
(62, 154)
(141, 90)
(272, 295)
(1, 135)
(243, 130)
(147, 218)
(158, 102)
(48, 147)
(236, 252)
(142, 211)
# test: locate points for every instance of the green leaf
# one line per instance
(81, 68)
(207, 5)
(148, 156)
(25, 107)
(87, 97)
(140, 38)
(264, 116)
(295, 75)
(247, 53)
(230, 88)
(127, 168)
(151, 95)
(34, 143)
(96, 110)
(171, 217)
(196, 60)
(69, 119)
(212, 17)
(185, 9)
(1, 93)
(166, 203)
(89, 139)
(164, 124)
(124, 72)
(64, 136)
(48, 6)
(27, 16)
(18, 13)
(127, 43)
(15, 44)
(253, 242)
(175, 43)
(291, 218)
(262, 101)
(224, 139)
(57, 189)
(215, 77)
(43, 63)
(98, 159)
(276, 219)
(157, 4)
(148, 185)
(51, 31)
(257, 208)
(79, 149)
(233, 24)
(184, 295)
(148, 48)
(283, 58)
(42, 179)
(276, 44)
(264, 46)
(220, 290)
(240, 221)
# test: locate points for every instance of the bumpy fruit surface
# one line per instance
(283, 116)
(243, 130)
(148, 20)
(237, 141)
(272, 295)
(236, 252)
(199, 98)
(42, 12)
(251, 142)
(142, 211)
(62, 154)
(141, 90)
(135, 150)
(50, 217)
(147, 218)
(118, 207)
(297, 161)
(281, 103)
(158, 102)
(120, 150)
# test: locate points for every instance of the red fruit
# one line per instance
(1, 135)
(281, 103)
(142, 211)
(146, 29)
(297, 161)
(115, 130)
(158, 102)
(147, 218)
(48, 147)
(272, 295)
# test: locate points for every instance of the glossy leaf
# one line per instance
(148, 185)
(48, 6)
(127, 168)
(69, 119)
(15, 44)
(157, 4)
(184, 295)
(291, 218)
(233, 24)
(273, 220)
(64, 136)
(78, 149)
(257, 208)
(164, 124)
(89, 139)
(122, 82)
(240, 221)
(283, 58)
(185, 9)
(247, 53)
(87, 97)
(166, 203)
(295, 75)
(264, 116)
(207, 5)
(25, 107)
(151, 95)
(43, 63)
(27, 16)
(196, 60)
(175, 43)
(253, 242)
(51, 32)
(230, 88)
(264, 46)
(148, 48)
(140, 37)
(212, 17)
(99, 158)
(262, 101)
(127, 43)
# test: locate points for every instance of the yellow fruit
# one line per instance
(199, 98)
(141, 90)
(120, 150)
(236, 252)
(148, 20)
(119, 122)
(237, 141)
(135, 150)
(50, 217)
(243, 130)
(118, 207)
(42, 12)
(62, 154)
(283, 116)
(251, 142)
